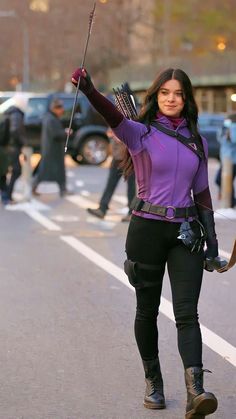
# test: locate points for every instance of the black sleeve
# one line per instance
(203, 200)
(105, 107)
(203, 203)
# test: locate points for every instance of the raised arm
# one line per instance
(104, 106)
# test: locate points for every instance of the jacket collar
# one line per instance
(164, 120)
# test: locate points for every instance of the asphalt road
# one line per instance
(66, 313)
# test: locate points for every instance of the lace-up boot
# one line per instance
(199, 402)
(154, 395)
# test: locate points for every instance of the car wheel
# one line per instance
(94, 150)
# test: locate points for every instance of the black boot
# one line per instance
(98, 212)
(154, 395)
(199, 402)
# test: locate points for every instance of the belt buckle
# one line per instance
(173, 216)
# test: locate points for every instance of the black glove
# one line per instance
(206, 217)
(212, 260)
(86, 86)
(212, 264)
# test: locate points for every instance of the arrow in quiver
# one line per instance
(124, 101)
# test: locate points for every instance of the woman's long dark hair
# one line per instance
(150, 108)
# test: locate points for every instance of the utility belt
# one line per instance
(170, 212)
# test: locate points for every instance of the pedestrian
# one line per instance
(170, 162)
(4, 141)
(227, 140)
(52, 164)
(3, 174)
(17, 139)
(114, 176)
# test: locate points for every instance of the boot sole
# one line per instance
(154, 406)
(204, 404)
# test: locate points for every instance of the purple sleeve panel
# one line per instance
(200, 182)
(132, 134)
(106, 108)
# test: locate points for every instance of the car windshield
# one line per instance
(215, 121)
(36, 108)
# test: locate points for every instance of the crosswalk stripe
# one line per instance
(211, 339)
(81, 201)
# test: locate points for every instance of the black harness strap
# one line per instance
(192, 142)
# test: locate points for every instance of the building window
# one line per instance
(219, 100)
(205, 101)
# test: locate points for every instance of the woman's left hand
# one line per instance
(86, 86)
(213, 264)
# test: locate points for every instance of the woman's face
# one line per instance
(170, 98)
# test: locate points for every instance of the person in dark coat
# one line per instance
(52, 165)
(4, 141)
(17, 140)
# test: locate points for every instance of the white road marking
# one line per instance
(85, 193)
(34, 204)
(211, 339)
(122, 199)
(122, 211)
(65, 218)
(48, 188)
(107, 224)
(85, 203)
(81, 202)
(79, 183)
(41, 219)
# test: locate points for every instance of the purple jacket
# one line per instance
(167, 172)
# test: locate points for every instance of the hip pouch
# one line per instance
(142, 275)
(193, 235)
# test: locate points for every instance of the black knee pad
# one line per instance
(142, 275)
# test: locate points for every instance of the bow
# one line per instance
(91, 19)
(231, 261)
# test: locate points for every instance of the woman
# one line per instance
(164, 228)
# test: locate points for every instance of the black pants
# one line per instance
(115, 175)
(155, 242)
(3, 183)
(16, 170)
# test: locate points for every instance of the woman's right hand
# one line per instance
(86, 86)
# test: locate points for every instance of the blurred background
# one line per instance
(42, 42)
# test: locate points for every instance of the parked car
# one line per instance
(6, 95)
(89, 142)
(209, 126)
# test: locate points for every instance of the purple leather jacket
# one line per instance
(167, 172)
